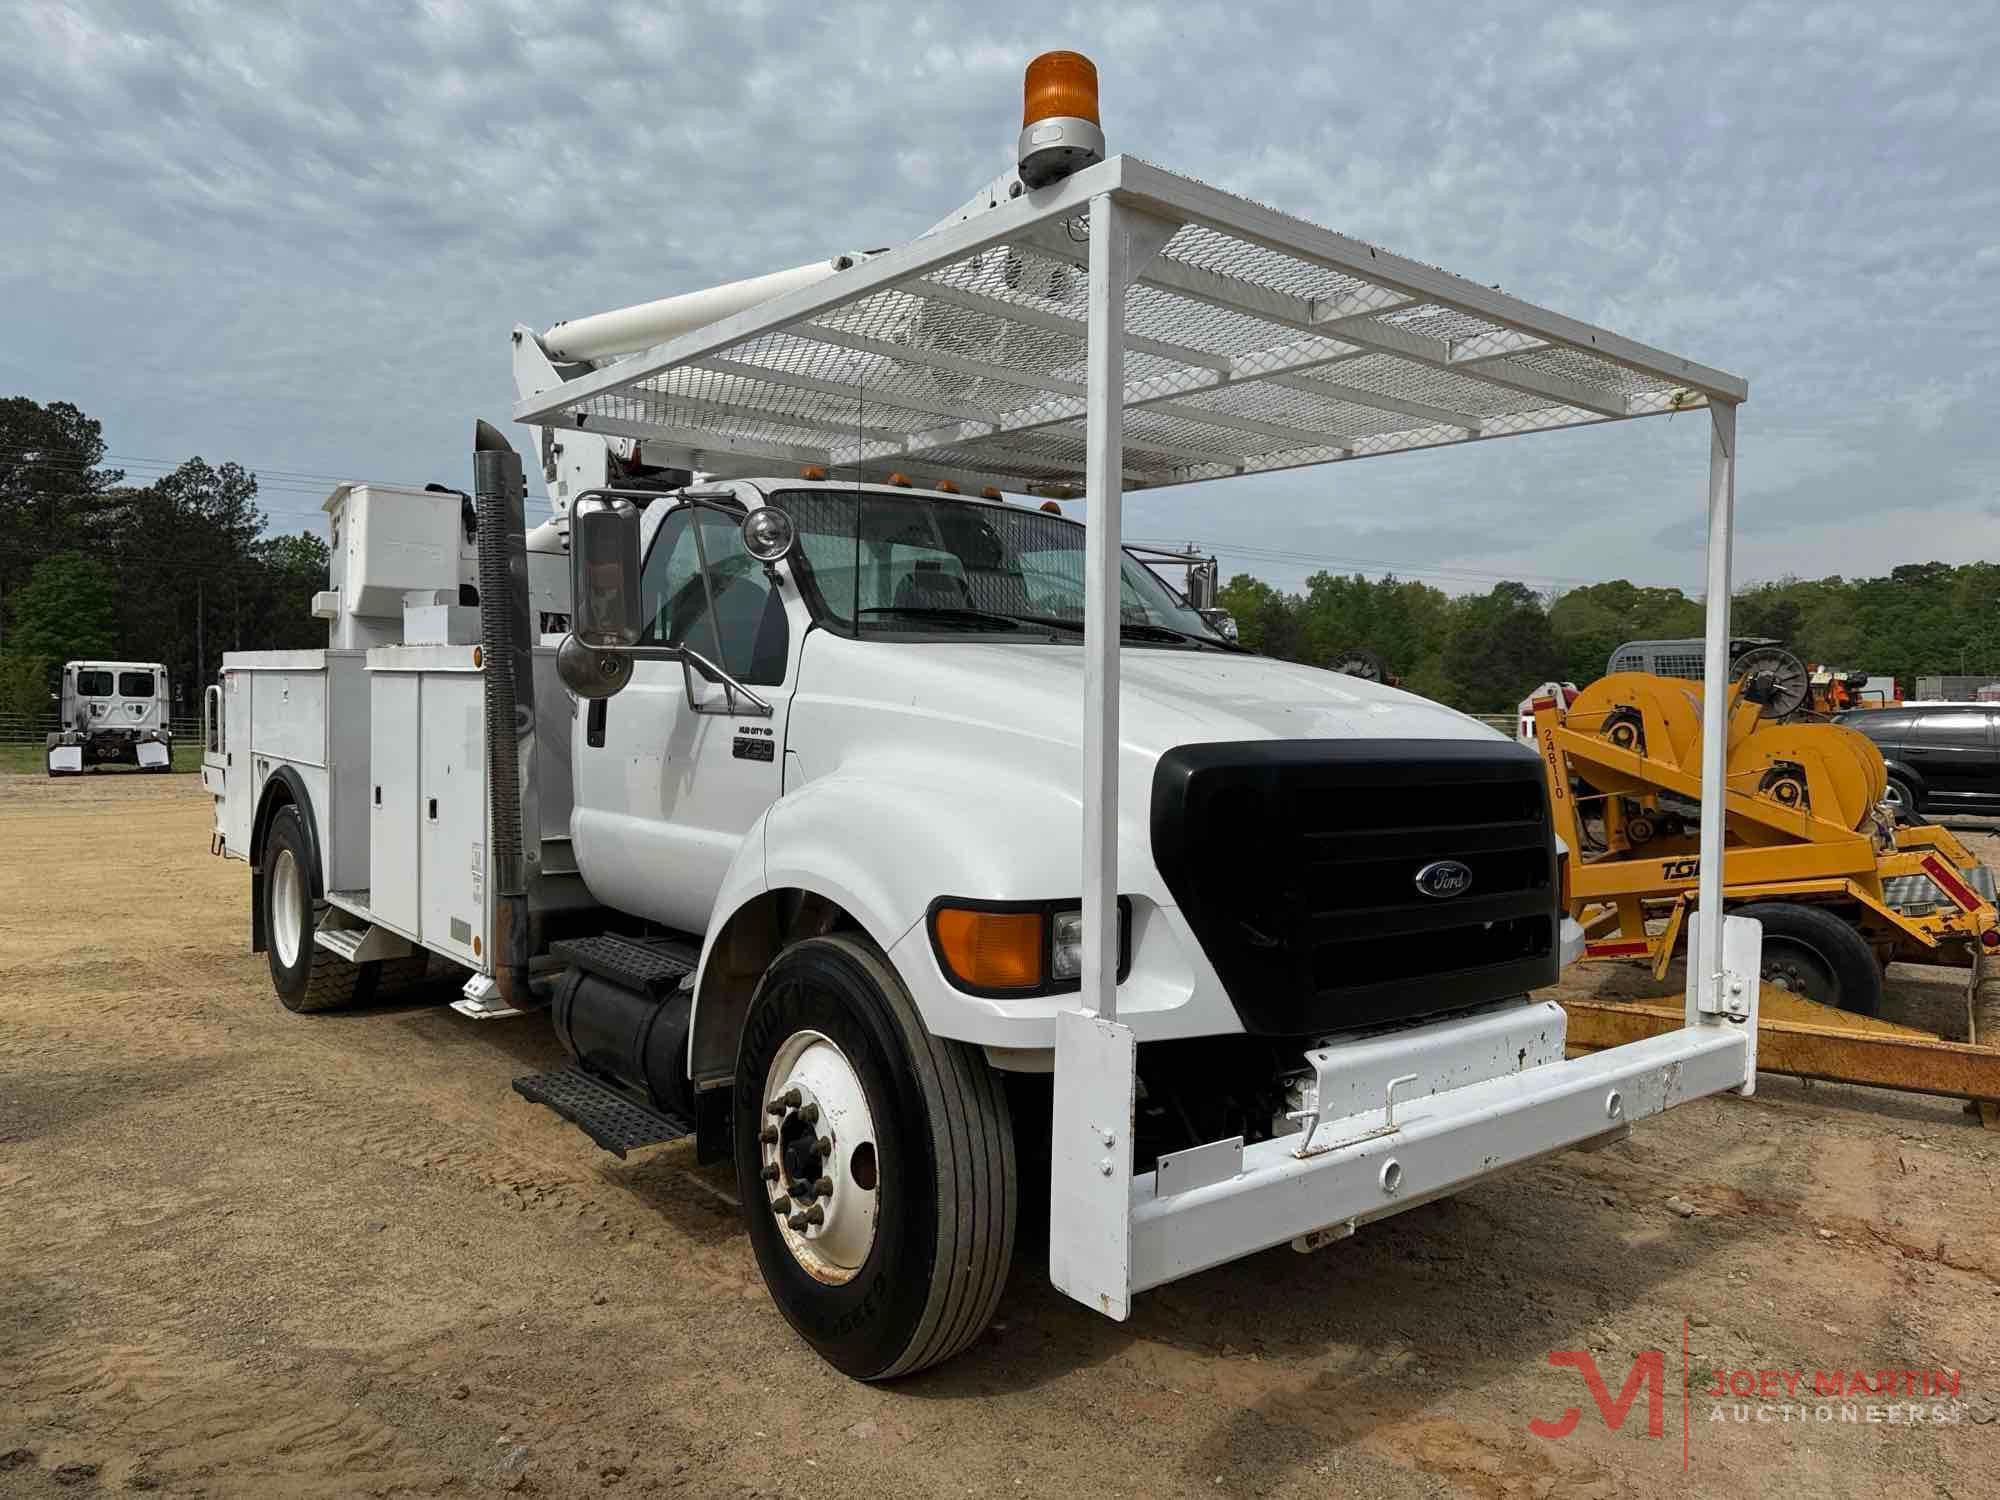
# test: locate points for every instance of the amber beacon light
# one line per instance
(1060, 132)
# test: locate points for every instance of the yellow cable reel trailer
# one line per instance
(1842, 889)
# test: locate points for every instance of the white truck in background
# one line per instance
(920, 851)
(111, 713)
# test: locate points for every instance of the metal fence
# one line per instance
(1973, 687)
(34, 729)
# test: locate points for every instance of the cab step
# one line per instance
(653, 967)
(612, 1119)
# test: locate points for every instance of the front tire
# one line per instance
(1815, 954)
(306, 976)
(893, 1256)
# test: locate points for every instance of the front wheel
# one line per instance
(875, 1163)
(1812, 952)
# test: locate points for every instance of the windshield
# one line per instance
(890, 564)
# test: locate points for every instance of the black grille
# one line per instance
(1295, 862)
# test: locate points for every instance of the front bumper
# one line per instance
(1437, 1146)
(1452, 1121)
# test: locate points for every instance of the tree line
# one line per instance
(179, 570)
(1484, 652)
(176, 570)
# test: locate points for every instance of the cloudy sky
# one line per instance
(298, 235)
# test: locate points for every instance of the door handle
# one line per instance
(593, 726)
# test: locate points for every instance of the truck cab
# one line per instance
(111, 713)
(897, 739)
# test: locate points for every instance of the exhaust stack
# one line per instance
(507, 647)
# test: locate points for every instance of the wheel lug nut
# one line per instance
(768, 1135)
(822, 1147)
(810, 1114)
(775, 1107)
(823, 1188)
(771, 1173)
(790, 1098)
(814, 1215)
(780, 1205)
(798, 1221)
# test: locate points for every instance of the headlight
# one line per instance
(1066, 945)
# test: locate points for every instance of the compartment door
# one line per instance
(392, 799)
(452, 817)
(238, 775)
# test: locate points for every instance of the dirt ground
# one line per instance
(249, 1253)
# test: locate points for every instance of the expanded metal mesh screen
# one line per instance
(1240, 355)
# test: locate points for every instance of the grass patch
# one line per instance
(33, 760)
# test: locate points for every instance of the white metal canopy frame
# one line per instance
(1126, 328)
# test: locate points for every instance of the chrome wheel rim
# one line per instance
(287, 907)
(818, 1156)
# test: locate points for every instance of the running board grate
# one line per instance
(649, 966)
(617, 1123)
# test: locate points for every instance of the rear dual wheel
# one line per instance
(875, 1164)
(307, 977)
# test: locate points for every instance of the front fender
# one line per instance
(881, 846)
(886, 843)
(886, 839)
(880, 852)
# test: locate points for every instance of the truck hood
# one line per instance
(1168, 697)
(920, 770)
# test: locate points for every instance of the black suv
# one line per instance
(1942, 757)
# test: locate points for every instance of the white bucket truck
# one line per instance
(920, 850)
(111, 713)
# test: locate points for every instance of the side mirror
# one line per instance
(604, 596)
(592, 672)
(604, 571)
(1202, 585)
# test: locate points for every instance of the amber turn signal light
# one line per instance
(991, 950)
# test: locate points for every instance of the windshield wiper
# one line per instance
(1144, 630)
(944, 612)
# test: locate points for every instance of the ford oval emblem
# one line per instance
(1444, 877)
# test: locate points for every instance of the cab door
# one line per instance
(1953, 749)
(671, 774)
